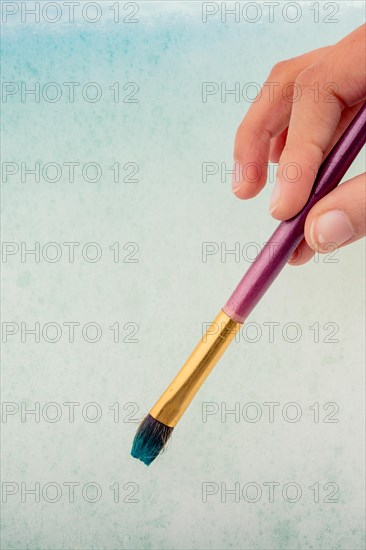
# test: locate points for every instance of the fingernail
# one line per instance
(333, 227)
(295, 255)
(236, 180)
(275, 197)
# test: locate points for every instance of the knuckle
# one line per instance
(279, 69)
(308, 77)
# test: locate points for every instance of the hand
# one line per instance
(302, 110)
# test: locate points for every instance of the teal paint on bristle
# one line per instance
(150, 440)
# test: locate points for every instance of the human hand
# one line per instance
(314, 97)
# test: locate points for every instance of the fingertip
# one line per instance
(247, 190)
(282, 211)
(331, 228)
(283, 204)
(302, 254)
(287, 200)
(247, 180)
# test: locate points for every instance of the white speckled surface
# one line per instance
(169, 212)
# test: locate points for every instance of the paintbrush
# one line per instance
(155, 430)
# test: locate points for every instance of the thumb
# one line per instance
(339, 218)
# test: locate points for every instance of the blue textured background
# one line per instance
(168, 293)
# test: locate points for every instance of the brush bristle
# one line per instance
(150, 439)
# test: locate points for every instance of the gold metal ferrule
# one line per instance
(195, 370)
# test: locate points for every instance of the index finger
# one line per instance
(266, 118)
(334, 82)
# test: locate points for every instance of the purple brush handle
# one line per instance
(274, 255)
